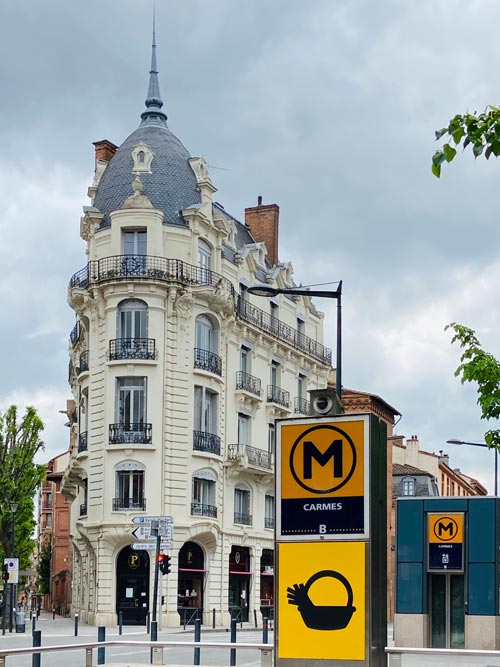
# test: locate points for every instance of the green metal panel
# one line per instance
(481, 589)
(410, 588)
(445, 504)
(480, 530)
(409, 531)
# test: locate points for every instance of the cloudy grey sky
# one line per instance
(327, 108)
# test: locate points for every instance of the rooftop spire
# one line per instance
(154, 103)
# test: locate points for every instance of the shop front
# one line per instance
(132, 586)
(239, 583)
(191, 583)
(267, 584)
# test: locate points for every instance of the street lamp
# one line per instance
(454, 441)
(13, 509)
(268, 291)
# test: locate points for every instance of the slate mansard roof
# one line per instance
(171, 187)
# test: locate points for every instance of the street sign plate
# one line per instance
(445, 541)
(151, 546)
(322, 600)
(13, 569)
(148, 519)
(143, 532)
(323, 478)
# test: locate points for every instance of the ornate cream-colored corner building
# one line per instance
(178, 377)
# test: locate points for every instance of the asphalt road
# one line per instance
(60, 632)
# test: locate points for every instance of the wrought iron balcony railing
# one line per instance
(83, 362)
(75, 334)
(83, 509)
(137, 434)
(249, 383)
(269, 522)
(201, 509)
(278, 396)
(245, 519)
(207, 361)
(129, 504)
(254, 456)
(206, 442)
(276, 327)
(82, 442)
(132, 348)
(146, 267)
(301, 406)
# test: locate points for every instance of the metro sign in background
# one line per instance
(322, 486)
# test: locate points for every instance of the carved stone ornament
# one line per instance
(183, 304)
(142, 156)
(137, 200)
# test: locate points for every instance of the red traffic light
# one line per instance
(164, 563)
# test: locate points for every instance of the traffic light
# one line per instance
(164, 563)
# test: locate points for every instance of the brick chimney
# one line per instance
(263, 222)
(104, 150)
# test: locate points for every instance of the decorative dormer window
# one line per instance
(142, 157)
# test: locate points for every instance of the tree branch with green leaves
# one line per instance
(483, 369)
(479, 131)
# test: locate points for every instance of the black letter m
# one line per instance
(334, 452)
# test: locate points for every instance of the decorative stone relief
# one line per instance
(137, 200)
(183, 304)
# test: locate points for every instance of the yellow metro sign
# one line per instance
(448, 528)
(322, 478)
(321, 600)
(445, 536)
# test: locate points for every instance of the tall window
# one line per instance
(301, 386)
(134, 242)
(129, 487)
(242, 506)
(205, 410)
(131, 401)
(206, 335)
(274, 317)
(204, 262)
(269, 511)
(132, 319)
(243, 429)
(275, 374)
(271, 439)
(203, 494)
(408, 486)
(244, 359)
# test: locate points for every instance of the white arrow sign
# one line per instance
(144, 532)
(151, 546)
(148, 519)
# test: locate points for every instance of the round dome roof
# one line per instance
(171, 186)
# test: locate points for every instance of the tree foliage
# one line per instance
(479, 131)
(44, 566)
(482, 368)
(19, 478)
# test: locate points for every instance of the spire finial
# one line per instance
(154, 102)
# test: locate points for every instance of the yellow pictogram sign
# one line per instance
(321, 600)
(447, 528)
(322, 477)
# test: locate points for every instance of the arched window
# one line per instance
(132, 319)
(203, 501)
(207, 345)
(141, 156)
(409, 485)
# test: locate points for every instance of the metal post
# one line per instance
(148, 622)
(197, 638)
(232, 651)
(265, 631)
(101, 652)
(255, 617)
(496, 471)
(155, 590)
(338, 370)
(33, 625)
(120, 623)
(11, 602)
(154, 638)
(4, 607)
(213, 618)
(37, 641)
(76, 625)
(53, 614)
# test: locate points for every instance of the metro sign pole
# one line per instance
(331, 527)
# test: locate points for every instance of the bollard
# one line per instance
(154, 638)
(213, 618)
(53, 614)
(265, 631)
(101, 652)
(37, 641)
(120, 623)
(197, 638)
(232, 651)
(33, 624)
(76, 625)
(255, 617)
(148, 622)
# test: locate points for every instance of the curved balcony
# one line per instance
(201, 509)
(206, 442)
(207, 361)
(132, 348)
(82, 442)
(75, 334)
(248, 383)
(133, 434)
(247, 456)
(245, 519)
(278, 395)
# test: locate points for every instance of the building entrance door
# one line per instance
(447, 607)
(132, 586)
